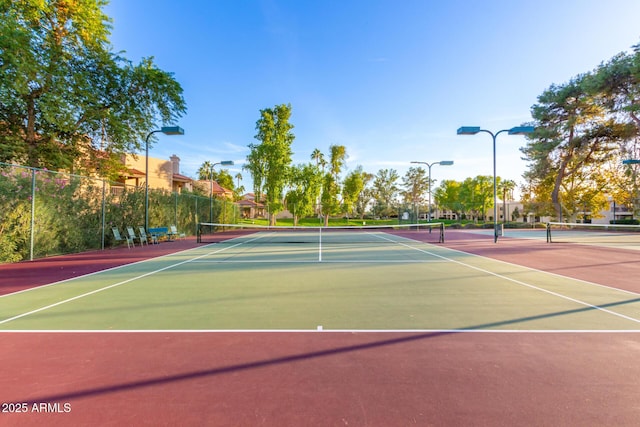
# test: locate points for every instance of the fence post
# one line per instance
(196, 215)
(33, 212)
(104, 185)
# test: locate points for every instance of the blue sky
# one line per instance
(391, 80)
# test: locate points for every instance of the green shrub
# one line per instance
(68, 212)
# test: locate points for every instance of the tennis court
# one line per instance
(343, 327)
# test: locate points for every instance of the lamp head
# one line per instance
(468, 130)
(227, 163)
(521, 130)
(446, 162)
(172, 130)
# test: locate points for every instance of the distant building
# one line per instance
(614, 212)
(250, 208)
(163, 174)
(213, 188)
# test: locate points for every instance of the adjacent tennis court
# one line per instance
(363, 326)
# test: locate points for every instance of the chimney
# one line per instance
(175, 164)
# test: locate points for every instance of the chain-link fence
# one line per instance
(45, 213)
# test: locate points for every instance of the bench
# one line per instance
(159, 232)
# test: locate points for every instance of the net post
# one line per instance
(441, 232)
(548, 226)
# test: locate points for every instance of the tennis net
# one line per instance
(264, 234)
(611, 234)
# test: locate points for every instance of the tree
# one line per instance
(329, 201)
(385, 191)
(319, 158)
(416, 184)
(365, 196)
(224, 178)
(206, 172)
(447, 196)
(65, 95)
(337, 159)
(269, 161)
(352, 188)
(239, 190)
(301, 199)
(476, 195)
(617, 85)
(575, 136)
(506, 187)
(515, 214)
(256, 165)
(330, 198)
(320, 164)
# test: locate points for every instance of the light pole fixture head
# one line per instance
(227, 163)
(468, 130)
(521, 130)
(172, 130)
(446, 162)
(630, 162)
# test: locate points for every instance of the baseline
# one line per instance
(319, 331)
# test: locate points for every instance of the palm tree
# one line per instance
(318, 157)
(320, 163)
(506, 187)
(239, 190)
(204, 171)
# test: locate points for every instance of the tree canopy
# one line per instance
(304, 190)
(331, 187)
(584, 129)
(269, 161)
(64, 95)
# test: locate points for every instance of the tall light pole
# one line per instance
(223, 163)
(441, 163)
(167, 130)
(518, 130)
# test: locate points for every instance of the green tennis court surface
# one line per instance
(383, 282)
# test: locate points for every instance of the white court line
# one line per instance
(282, 261)
(333, 331)
(377, 235)
(528, 285)
(97, 272)
(77, 297)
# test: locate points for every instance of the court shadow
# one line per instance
(405, 338)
